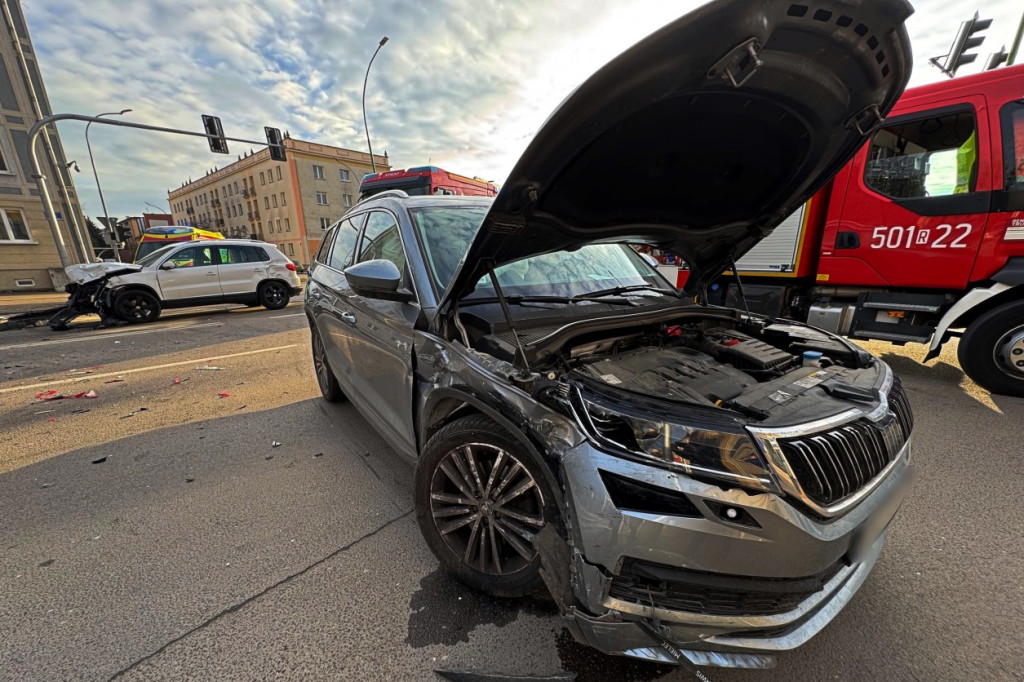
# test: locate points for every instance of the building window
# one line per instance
(318, 172)
(270, 226)
(266, 203)
(283, 202)
(344, 175)
(13, 227)
(321, 198)
(275, 200)
(263, 180)
(346, 199)
(279, 225)
(287, 225)
(324, 224)
(4, 166)
(278, 172)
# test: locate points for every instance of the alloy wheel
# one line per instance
(135, 307)
(274, 294)
(320, 362)
(486, 506)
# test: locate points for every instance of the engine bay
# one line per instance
(755, 367)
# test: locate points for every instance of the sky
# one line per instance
(462, 84)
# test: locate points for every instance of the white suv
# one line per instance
(189, 274)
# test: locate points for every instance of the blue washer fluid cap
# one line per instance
(812, 355)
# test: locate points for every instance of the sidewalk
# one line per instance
(20, 302)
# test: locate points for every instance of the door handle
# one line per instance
(349, 318)
(211, 274)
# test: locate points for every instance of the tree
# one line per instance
(96, 234)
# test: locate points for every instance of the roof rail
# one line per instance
(399, 193)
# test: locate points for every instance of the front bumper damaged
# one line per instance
(756, 588)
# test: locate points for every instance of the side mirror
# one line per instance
(168, 265)
(377, 279)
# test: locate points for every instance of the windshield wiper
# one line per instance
(615, 291)
(516, 300)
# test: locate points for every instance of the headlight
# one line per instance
(702, 452)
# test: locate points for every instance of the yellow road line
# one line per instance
(89, 377)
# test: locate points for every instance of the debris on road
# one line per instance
(114, 380)
(87, 394)
(44, 411)
(240, 407)
(50, 395)
(81, 411)
(224, 394)
(275, 444)
(210, 368)
(101, 460)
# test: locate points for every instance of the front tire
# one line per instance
(136, 306)
(480, 498)
(325, 378)
(274, 295)
(991, 351)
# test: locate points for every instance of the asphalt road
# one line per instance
(178, 541)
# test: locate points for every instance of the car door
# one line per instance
(382, 339)
(329, 292)
(193, 274)
(241, 269)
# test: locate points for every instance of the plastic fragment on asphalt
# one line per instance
(101, 460)
(87, 394)
(319, 454)
(113, 381)
(462, 676)
(224, 394)
(275, 444)
(189, 480)
(210, 368)
(142, 409)
(81, 411)
(53, 419)
(240, 407)
(45, 411)
(50, 395)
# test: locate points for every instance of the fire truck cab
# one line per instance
(920, 237)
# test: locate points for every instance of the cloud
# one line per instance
(462, 83)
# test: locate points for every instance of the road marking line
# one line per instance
(106, 335)
(278, 317)
(90, 377)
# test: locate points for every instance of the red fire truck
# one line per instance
(423, 180)
(919, 238)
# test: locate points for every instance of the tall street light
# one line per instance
(103, 203)
(383, 40)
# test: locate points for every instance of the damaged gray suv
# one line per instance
(684, 479)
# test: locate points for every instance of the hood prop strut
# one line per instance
(508, 318)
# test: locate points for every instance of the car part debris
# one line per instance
(224, 394)
(113, 381)
(101, 460)
(465, 676)
(275, 444)
(209, 368)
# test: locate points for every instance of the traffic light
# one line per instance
(966, 40)
(212, 126)
(996, 59)
(275, 143)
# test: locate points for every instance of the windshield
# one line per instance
(155, 252)
(146, 248)
(446, 233)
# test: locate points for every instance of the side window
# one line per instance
(381, 239)
(230, 255)
(931, 156)
(325, 246)
(344, 245)
(255, 254)
(1012, 119)
(193, 257)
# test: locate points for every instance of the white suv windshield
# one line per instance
(446, 233)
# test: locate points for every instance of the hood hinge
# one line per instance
(739, 64)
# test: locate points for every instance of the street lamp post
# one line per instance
(373, 164)
(103, 203)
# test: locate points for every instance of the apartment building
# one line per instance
(290, 204)
(28, 253)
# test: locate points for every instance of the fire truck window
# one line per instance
(1012, 117)
(929, 157)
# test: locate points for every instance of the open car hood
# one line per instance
(702, 137)
(87, 272)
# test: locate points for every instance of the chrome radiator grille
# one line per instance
(832, 465)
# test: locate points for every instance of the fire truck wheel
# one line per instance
(992, 350)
